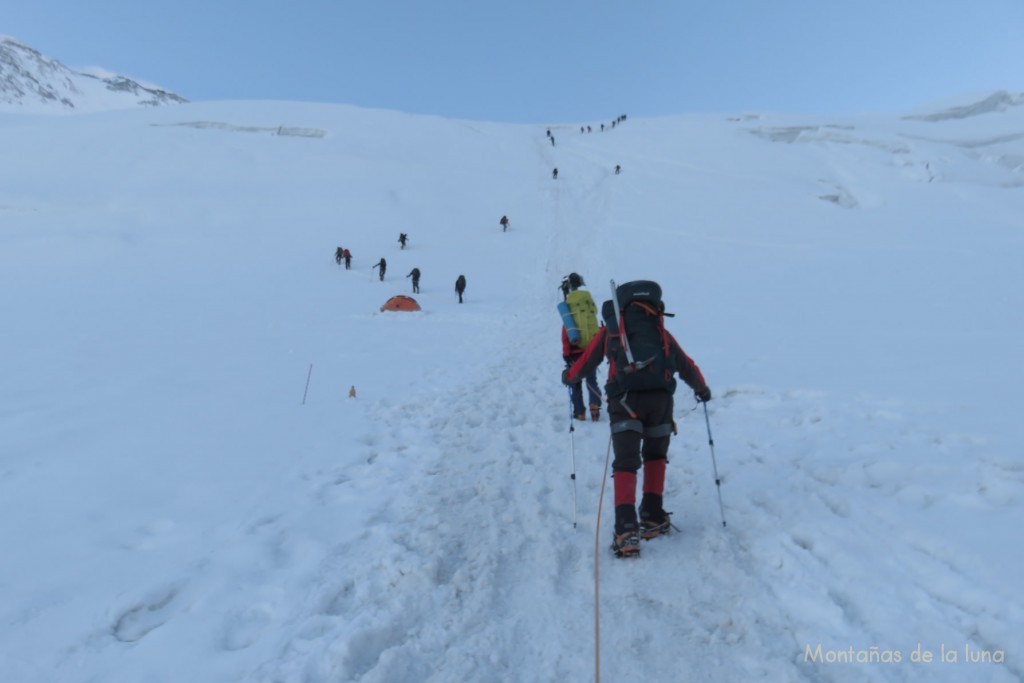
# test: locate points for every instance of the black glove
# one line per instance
(703, 395)
(565, 377)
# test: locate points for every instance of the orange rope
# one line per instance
(597, 569)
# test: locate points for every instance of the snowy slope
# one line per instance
(172, 510)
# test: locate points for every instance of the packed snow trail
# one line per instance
(480, 576)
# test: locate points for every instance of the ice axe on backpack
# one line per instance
(633, 364)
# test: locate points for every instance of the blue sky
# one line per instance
(563, 61)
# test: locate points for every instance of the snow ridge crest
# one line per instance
(31, 82)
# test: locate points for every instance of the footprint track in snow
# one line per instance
(148, 614)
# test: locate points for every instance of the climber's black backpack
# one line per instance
(643, 320)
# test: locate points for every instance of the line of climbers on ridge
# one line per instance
(343, 254)
(587, 129)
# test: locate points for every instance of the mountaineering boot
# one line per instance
(654, 521)
(652, 528)
(595, 412)
(626, 544)
(626, 539)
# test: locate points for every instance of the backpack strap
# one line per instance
(634, 425)
(627, 426)
(659, 431)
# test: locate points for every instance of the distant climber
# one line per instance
(402, 239)
(348, 259)
(460, 286)
(618, 169)
(415, 275)
(383, 266)
(339, 254)
(554, 174)
(504, 223)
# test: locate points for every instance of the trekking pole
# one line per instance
(572, 453)
(714, 465)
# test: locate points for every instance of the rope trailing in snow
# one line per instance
(308, 376)
(597, 569)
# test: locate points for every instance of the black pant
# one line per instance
(645, 436)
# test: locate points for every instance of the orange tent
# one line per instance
(400, 303)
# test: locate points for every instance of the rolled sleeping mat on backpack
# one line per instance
(569, 322)
(608, 315)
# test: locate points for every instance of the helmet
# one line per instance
(575, 281)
